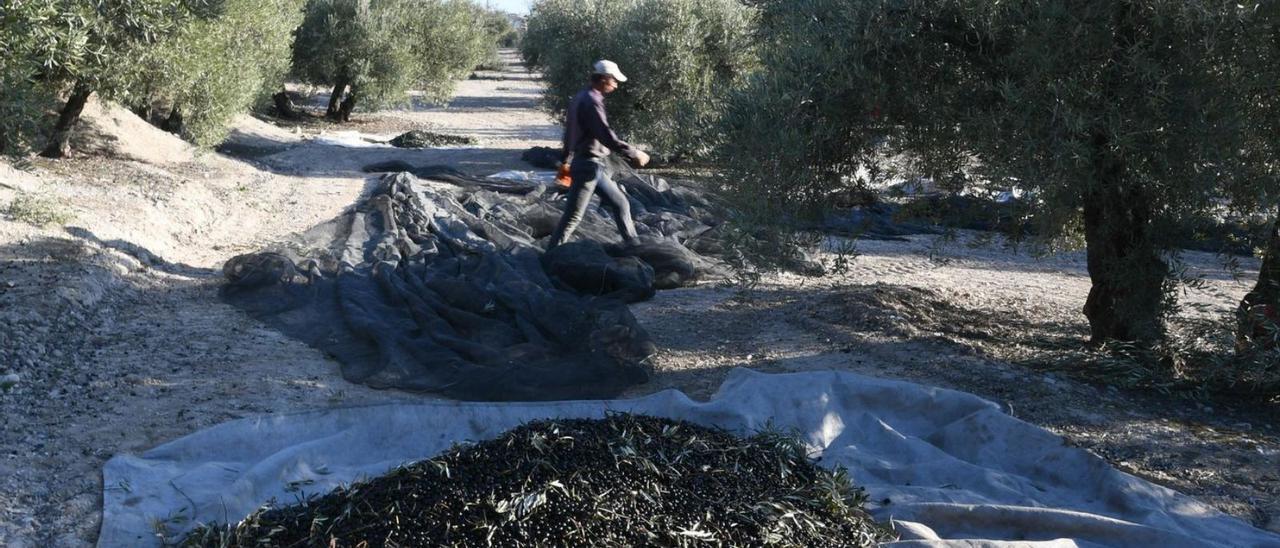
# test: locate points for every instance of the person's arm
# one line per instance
(566, 148)
(598, 123)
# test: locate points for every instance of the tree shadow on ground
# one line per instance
(1040, 338)
(246, 146)
(1218, 452)
(966, 248)
(842, 312)
(143, 255)
(323, 159)
(480, 103)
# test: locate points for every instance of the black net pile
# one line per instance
(542, 157)
(444, 288)
(622, 481)
(426, 139)
(549, 158)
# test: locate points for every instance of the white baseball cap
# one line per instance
(605, 66)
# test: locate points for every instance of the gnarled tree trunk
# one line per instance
(173, 124)
(348, 105)
(60, 141)
(284, 105)
(1127, 299)
(1258, 316)
(335, 99)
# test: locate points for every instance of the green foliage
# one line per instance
(210, 56)
(354, 41)
(38, 210)
(1129, 115)
(681, 57)
(1259, 78)
(109, 34)
(449, 40)
(219, 65)
(383, 48)
(38, 38)
(1025, 87)
(502, 34)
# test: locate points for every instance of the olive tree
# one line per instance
(1122, 118)
(216, 66)
(204, 59)
(681, 57)
(32, 34)
(76, 48)
(502, 34)
(449, 40)
(1258, 316)
(377, 50)
(502, 29)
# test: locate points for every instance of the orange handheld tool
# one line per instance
(562, 176)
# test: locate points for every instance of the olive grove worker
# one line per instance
(587, 140)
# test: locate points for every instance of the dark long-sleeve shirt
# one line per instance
(587, 133)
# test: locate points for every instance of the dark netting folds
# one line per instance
(442, 286)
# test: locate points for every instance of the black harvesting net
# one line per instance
(445, 288)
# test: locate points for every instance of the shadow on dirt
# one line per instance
(327, 160)
(143, 255)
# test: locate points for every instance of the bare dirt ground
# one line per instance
(113, 339)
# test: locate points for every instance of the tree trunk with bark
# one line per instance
(284, 106)
(335, 99)
(60, 141)
(143, 111)
(1127, 300)
(173, 124)
(348, 105)
(1258, 316)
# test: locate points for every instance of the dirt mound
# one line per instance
(107, 129)
(252, 137)
(622, 481)
(13, 179)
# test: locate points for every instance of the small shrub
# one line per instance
(38, 210)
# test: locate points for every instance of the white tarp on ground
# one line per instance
(540, 177)
(942, 464)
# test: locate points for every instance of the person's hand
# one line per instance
(641, 159)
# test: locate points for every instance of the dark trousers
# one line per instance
(591, 176)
